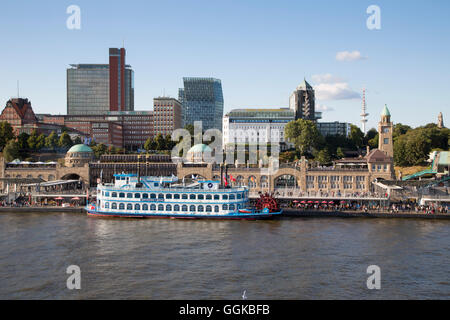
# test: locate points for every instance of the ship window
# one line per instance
(192, 196)
(168, 207)
(160, 196)
(145, 207)
(153, 196)
(129, 206)
(106, 194)
(208, 209)
(137, 195)
(107, 205)
(216, 208)
(200, 209)
(168, 196)
(153, 207)
(160, 207)
(121, 206)
(114, 205)
(129, 195)
(232, 197)
(192, 208)
(184, 196)
(231, 207)
(200, 197)
(208, 197)
(184, 208)
(176, 196)
(225, 197)
(137, 207)
(239, 196)
(122, 195)
(176, 208)
(224, 207)
(216, 197)
(114, 195)
(145, 196)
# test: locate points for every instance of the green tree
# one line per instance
(169, 143)
(340, 153)
(11, 151)
(323, 157)
(112, 150)
(373, 143)
(304, 135)
(51, 141)
(287, 156)
(77, 140)
(32, 140)
(160, 142)
(372, 133)
(356, 136)
(400, 129)
(22, 141)
(99, 150)
(6, 133)
(150, 144)
(40, 143)
(65, 141)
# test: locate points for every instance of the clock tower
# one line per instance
(385, 128)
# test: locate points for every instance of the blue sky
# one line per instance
(261, 50)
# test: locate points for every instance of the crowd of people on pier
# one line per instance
(402, 207)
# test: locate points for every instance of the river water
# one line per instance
(296, 258)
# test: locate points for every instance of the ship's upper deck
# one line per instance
(132, 182)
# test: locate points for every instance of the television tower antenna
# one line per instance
(364, 114)
(18, 96)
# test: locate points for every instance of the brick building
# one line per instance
(167, 115)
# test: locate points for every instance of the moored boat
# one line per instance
(165, 197)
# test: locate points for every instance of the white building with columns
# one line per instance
(253, 126)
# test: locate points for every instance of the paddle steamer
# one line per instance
(165, 197)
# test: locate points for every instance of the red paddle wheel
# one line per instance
(266, 200)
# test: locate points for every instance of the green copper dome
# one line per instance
(200, 148)
(80, 148)
(385, 111)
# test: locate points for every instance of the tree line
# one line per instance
(411, 146)
(22, 145)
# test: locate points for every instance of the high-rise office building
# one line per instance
(100, 88)
(202, 100)
(303, 102)
(166, 115)
(121, 82)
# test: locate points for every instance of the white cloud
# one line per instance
(335, 91)
(349, 56)
(322, 107)
(325, 78)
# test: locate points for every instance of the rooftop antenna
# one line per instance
(364, 114)
(18, 96)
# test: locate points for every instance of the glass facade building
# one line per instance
(334, 128)
(202, 100)
(87, 89)
(100, 88)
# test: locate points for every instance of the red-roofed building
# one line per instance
(18, 113)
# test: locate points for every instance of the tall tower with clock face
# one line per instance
(385, 129)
